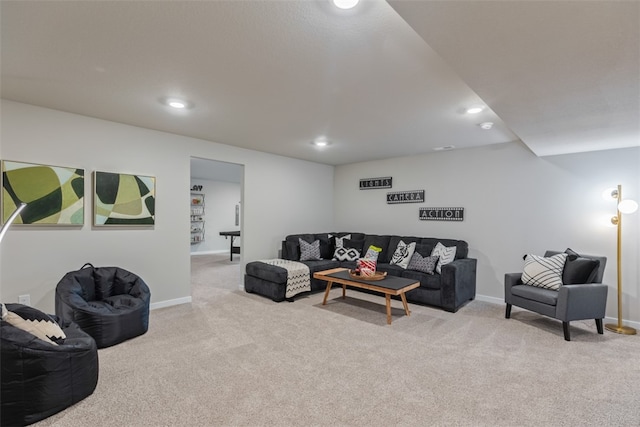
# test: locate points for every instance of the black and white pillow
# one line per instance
(35, 322)
(340, 244)
(403, 254)
(544, 272)
(346, 254)
(340, 240)
(309, 251)
(425, 264)
(445, 255)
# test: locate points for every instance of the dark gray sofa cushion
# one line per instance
(271, 273)
(429, 281)
(546, 296)
(391, 269)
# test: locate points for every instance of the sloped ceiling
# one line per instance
(563, 75)
(274, 75)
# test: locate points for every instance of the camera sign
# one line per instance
(414, 196)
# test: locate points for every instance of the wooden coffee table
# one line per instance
(388, 286)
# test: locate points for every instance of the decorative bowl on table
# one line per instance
(377, 275)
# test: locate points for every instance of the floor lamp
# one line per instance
(13, 216)
(627, 207)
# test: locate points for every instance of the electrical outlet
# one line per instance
(24, 299)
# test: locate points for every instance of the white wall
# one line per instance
(277, 201)
(515, 203)
(220, 200)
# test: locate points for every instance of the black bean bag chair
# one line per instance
(109, 303)
(40, 377)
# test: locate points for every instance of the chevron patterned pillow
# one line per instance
(445, 255)
(544, 272)
(35, 322)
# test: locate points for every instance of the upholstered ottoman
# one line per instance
(269, 277)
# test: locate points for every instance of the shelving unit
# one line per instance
(197, 218)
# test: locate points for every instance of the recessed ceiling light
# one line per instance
(345, 4)
(475, 109)
(320, 142)
(486, 125)
(178, 104)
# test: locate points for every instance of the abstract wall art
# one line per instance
(123, 199)
(54, 195)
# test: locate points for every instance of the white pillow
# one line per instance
(544, 272)
(403, 254)
(340, 240)
(445, 255)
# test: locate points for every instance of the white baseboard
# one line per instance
(219, 251)
(613, 320)
(169, 303)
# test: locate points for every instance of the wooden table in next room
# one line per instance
(389, 286)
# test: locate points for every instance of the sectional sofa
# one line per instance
(450, 289)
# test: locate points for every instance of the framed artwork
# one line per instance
(123, 199)
(54, 194)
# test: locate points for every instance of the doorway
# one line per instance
(217, 190)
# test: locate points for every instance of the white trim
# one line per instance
(613, 320)
(171, 302)
(219, 251)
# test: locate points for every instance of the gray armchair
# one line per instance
(582, 295)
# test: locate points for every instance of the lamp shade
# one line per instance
(627, 206)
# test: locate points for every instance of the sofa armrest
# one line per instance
(583, 301)
(510, 280)
(458, 283)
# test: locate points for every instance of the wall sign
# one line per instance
(196, 188)
(442, 214)
(374, 183)
(414, 196)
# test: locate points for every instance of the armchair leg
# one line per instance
(599, 326)
(565, 328)
(507, 313)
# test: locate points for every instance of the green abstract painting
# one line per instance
(122, 199)
(54, 195)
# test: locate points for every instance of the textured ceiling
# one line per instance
(273, 75)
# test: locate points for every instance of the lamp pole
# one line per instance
(617, 220)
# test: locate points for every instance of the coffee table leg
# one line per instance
(344, 291)
(326, 293)
(388, 298)
(404, 302)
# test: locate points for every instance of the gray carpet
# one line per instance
(232, 358)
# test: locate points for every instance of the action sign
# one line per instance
(442, 214)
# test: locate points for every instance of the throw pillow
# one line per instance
(309, 251)
(423, 264)
(346, 254)
(403, 254)
(445, 255)
(35, 322)
(340, 240)
(544, 272)
(293, 251)
(578, 269)
(373, 252)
